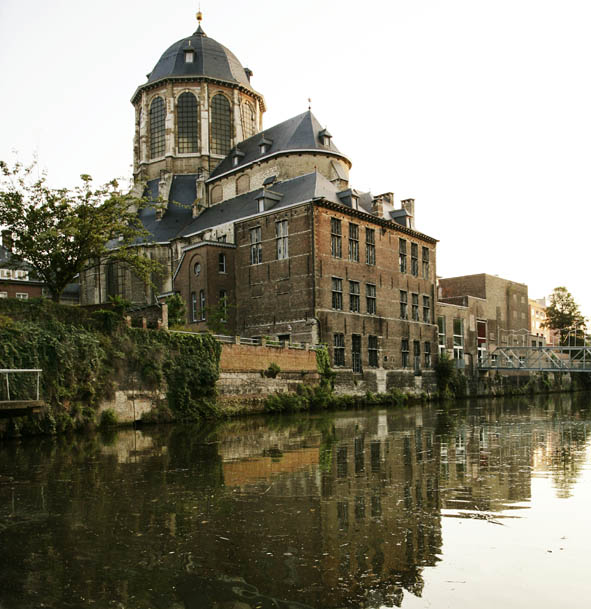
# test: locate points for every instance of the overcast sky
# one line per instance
(479, 110)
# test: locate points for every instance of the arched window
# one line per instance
(248, 120)
(221, 125)
(187, 123)
(202, 305)
(157, 116)
(216, 194)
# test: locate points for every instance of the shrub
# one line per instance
(108, 418)
(272, 371)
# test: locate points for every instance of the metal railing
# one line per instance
(543, 359)
(243, 340)
(16, 392)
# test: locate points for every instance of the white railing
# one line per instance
(11, 396)
(243, 340)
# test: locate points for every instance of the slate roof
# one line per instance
(211, 59)
(298, 133)
(177, 220)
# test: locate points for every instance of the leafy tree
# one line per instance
(563, 314)
(62, 232)
(177, 311)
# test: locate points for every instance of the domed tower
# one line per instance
(196, 105)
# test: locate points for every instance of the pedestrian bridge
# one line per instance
(540, 359)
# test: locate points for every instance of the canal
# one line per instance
(485, 503)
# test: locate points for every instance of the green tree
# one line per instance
(563, 315)
(62, 232)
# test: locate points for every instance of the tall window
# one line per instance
(416, 349)
(256, 247)
(221, 125)
(415, 307)
(427, 354)
(370, 297)
(414, 259)
(187, 123)
(336, 246)
(404, 352)
(281, 232)
(202, 305)
(403, 304)
(372, 351)
(441, 334)
(248, 120)
(157, 117)
(223, 304)
(339, 350)
(222, 263)
(193, 306)
(337, 293)
(459, 339)
(354, 304)
(402, 255)
(356, 352)
(370, 246)
(354, 242)
(425, 261)
(426, 309)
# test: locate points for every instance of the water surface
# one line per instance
(482, 504)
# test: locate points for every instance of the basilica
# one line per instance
(261, 225)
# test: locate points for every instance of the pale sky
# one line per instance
(479, 110)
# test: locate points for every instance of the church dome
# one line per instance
(199, 55)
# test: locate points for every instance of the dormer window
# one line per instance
(237, 156)
(189, 56)
(265, 145)
(324, 137)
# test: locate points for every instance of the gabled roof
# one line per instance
(301, 132)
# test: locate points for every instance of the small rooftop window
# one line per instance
(264, 145)
(189, 56)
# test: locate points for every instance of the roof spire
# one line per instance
(309, 103)
(199, 19)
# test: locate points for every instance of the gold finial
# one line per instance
(199, 16)
(309, 103)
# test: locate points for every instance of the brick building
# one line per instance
(478, 313)
(262, 229)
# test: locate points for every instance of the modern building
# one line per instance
(478, 313)
(261, 229)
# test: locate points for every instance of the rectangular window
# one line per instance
(356, 352)
(336, 246)
(481, 339)
(425, 262)
(459, 339)
(202, 305)
(416, 352)
(402, 255)
(404, 352)
(370, 297)
(22, 295)
(414, 259)
(427, 354)
(256, 247)
(354, 300)
(222, 263)
(441, 334)
(223, 305)
(3, 294)
(338, 350)
(337, 293)
(370, 246)
(372, 351)
(426, 309)
(281, 235)
(415, 307)
(193, 306)
(403, 304)
(354, 242)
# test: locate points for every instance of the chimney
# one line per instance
(409, 206)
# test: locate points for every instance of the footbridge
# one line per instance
(538, 359)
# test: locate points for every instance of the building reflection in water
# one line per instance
(338, 510)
